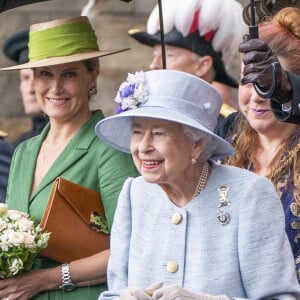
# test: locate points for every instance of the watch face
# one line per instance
(68, 287)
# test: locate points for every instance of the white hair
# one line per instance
(207, 141)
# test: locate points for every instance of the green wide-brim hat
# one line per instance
(62, 41)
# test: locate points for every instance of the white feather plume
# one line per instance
(211, 13)
(93, 8)
(230, 34)
(185, 15)
(169, 9)
(222, 16)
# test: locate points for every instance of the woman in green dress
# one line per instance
(64, 56)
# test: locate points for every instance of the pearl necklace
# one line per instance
(202, 180)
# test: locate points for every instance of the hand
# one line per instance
(134, 294)
(263, 69)
(21, 287)
(175, 292)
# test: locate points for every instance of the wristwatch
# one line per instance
(66, 282)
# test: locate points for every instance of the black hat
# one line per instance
(193, 42)
(15, 47)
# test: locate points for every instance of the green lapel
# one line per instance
(77, 147)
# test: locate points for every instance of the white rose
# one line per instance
(2, 225)
(4, 235)
(16, 238)
(29, 240)
(25, 224)
(3, 208)
(4, 247)
(15, 214)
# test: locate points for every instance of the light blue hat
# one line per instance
(168, 95)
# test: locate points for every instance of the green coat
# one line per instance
(87, 161)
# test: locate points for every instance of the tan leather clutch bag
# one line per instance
(75, 217)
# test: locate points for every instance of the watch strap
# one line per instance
(66, 279)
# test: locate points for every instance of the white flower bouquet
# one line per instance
(20, 242)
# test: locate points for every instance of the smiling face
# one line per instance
(62, 90)
(162, 152)
(256, 109)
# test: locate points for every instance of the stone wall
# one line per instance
(111, 26)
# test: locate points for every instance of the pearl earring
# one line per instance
(194, 161)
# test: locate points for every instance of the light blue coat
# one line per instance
(250, 257)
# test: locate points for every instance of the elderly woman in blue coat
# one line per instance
(188, 228)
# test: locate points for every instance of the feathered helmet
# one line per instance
(206, 27)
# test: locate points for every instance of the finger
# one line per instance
(253, 44)
(150, 290)
(257, 79)
(166, 293)
(159, 294)
(140, 295)
(260, 57)
(258, 69)
(248, 79)
(127, 295)
(252, 68)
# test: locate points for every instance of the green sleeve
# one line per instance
(116, 167)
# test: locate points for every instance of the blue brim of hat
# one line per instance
(116, 130)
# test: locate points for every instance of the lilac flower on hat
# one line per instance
(132, 92)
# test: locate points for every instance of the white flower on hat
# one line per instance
(132, 92)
